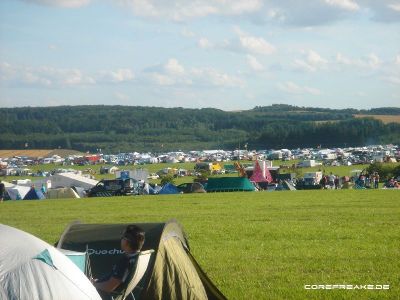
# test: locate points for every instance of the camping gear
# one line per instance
(32, 269)
(229, 184)
(136, 275)
(169, 188)
(80, 259)
(62, 193)
(173, 273)
(34, 194)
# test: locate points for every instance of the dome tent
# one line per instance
(173, 273)
(32, 269)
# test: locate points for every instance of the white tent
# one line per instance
(71, 179)
(32, 269)
(17, 192)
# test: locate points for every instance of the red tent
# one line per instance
(259, 175)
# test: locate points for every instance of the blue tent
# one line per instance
(169, 188)
(34, 194)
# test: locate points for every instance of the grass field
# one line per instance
(384, 118)
(264, 245)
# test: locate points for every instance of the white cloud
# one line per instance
(46, 76)
(397, 60)
(181, 10)
(253, 44)
(395, 6)
(371, 61)
(174, 73)
(292, 88)
(204, 43)
(173, 67)
(61, 3)
(344, 4)
(311, 62)
(116, 76)
(187, 33)
(211, 76)
(254, 63)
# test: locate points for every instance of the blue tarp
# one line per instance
(169, 188)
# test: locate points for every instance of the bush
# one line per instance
(167, 179)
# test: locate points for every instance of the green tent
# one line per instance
(173, 273)
(229, 184)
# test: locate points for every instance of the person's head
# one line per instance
(132, 239)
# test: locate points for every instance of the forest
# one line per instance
(137, 128)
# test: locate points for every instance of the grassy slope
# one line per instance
(264, 245)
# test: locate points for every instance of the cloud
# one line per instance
(205, 43)
(292, 88)
(182, 10)
(119, 75)
(61, 3)
(187, 33)
(397, 60)
(45, 76)
(311, 62)
(174, 73)
(174, 67)
(370, 61)
(395, 6)
(344, 4)
(254, 63)
(248, 44)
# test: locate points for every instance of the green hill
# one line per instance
(128, 128)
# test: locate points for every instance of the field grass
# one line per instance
(264, 245)
(384, 118)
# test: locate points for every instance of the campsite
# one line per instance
(256, 245)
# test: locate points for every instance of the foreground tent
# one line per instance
(229, 184)
(173, 273)
(32, 269)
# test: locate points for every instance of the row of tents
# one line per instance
(32, 269)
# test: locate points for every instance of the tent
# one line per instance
(169, 188)
(32, 269)
(34, 194)
(173, 273)
(229, 184)
(258, 175)
(61, 193)
(71, 179)
(17, 192)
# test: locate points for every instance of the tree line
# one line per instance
(128, 128)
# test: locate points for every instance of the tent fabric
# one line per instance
(17, 192)
(258, 175)
(229, 184)
(32, 269)
(173, 273)
(169, 188)
(34, 194)
(61, 193)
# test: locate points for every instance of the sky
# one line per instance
(225, 54)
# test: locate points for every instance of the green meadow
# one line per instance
(260, 245)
